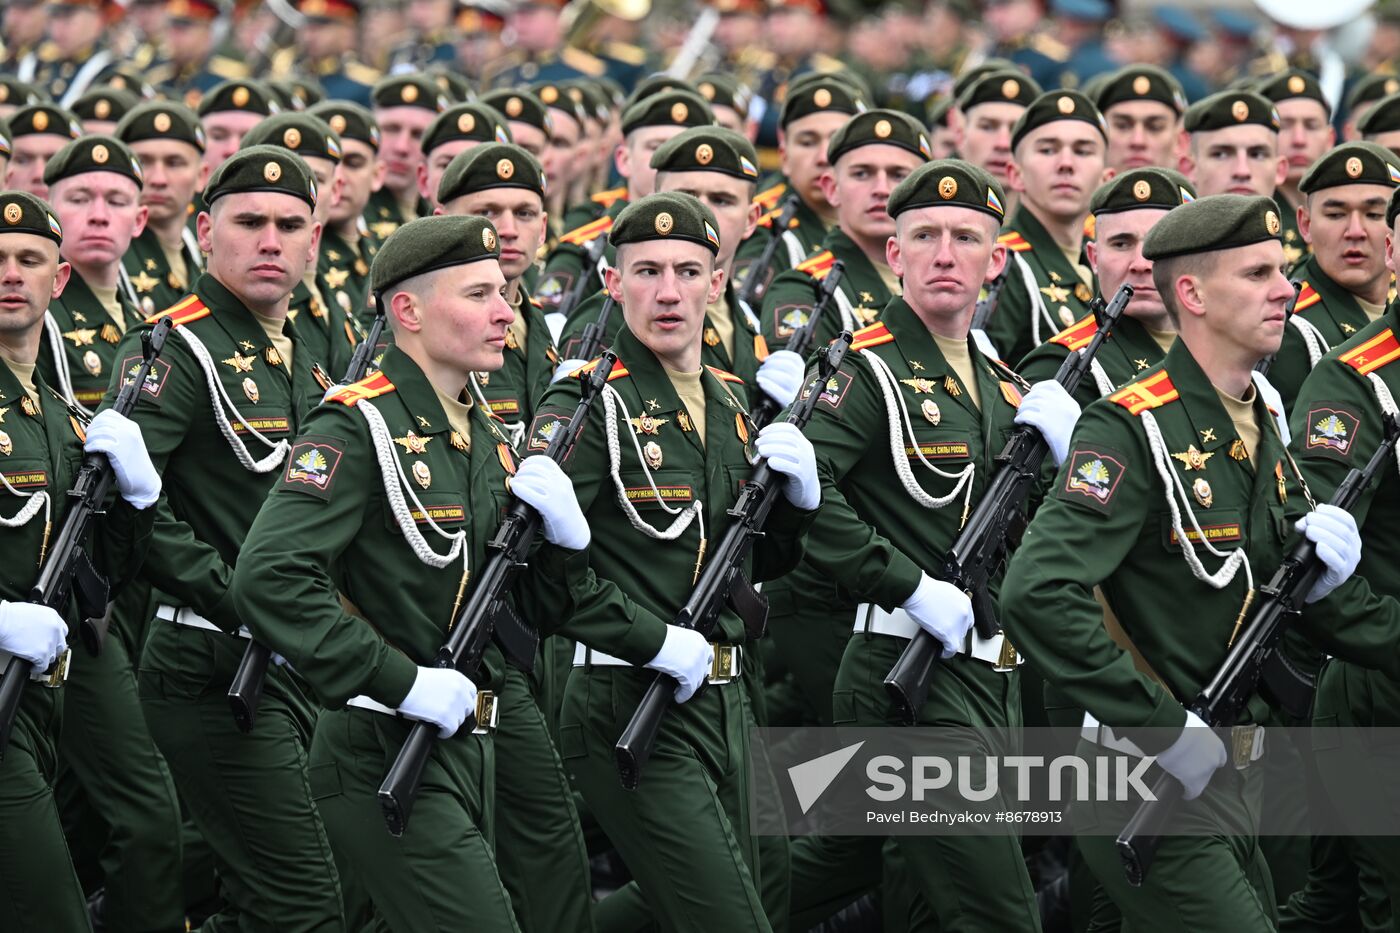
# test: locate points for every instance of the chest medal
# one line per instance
(422, 475)
(931, 412)
(1202, 491)
(652, 451)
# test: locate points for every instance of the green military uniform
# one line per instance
(344, 263)
(64, 80)
(801, 239)
(157, 285)
(217, 454)
(88, 335)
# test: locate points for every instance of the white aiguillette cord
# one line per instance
(218, 399)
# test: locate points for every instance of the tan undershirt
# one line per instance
(889, 278)
(176, 259)
(692, 396)
(1163, 338)
(958, 357)
(1072, 255)
(24, 372)
(107, 298)
(718, 315)
(1241, 412)
(519, 327)
(459, 414)
(280, 341)
(1373, 312)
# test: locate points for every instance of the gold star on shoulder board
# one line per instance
(81, 337)
(1056, 294)
(412, 443)
(144, 282)
(335, 278)
(240, 363)
(1193, 459)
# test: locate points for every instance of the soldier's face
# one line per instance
(519, 218)
(174, 172)
(944, 255)
(530, 138)
(730, 198)
(1346, 227)
(24, 23)
(1305, 134)
(188, 40)
(1057, 167)
(943, 141)
(327, 174)
(401, 135)
(359, 176)
(1238, 302)
(986, 136)
(223, 133)
(28, 157)
(321, 37)
(73, 29)
(101, 213)
(1389, 140)
(31, 275)
(1115, 254)
(259, 244)
(663, 287)
(729, 118)
(561, 155)
(1143, 133)
(634, 158)
(458, 322)
(802, 149)
(1237, 160)
(859, 187)
(435, 166)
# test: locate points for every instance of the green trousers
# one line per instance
(39, 891)
(441, 874)
(809, 632)
(249, 795)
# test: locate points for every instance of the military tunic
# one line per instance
(89, 338)
(343, 267)
(1325, 316)
(1129, 350)
(802, 238)
(151, 276)
(1021, 319)
(512, 391)
(789, 300)
(564, 266)
(383, 215)
(1295, 248)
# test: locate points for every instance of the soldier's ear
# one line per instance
(143, 213)
(893, 257)
(1305, 221)
(1091, 252)
(1000, 256)
(751, 224)
(60, 278)
(204, 232)
(1390, 252)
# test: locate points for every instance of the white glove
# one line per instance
(33, 632)
(539, 482)
(565, 367)
(781, 376)
(442, 696)
(942, 610)
(790, 453)
(1338, 543)
(1194, 756)
(119, 438)
(686, 656)
(1051, 410)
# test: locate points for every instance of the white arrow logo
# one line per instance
(811, 778)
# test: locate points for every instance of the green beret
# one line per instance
(655, 84)
(307, 136)
(428, 244)
(1231, 108)
(1291, 84)
(1371, 88)
(669, 108)
(1221, 221)
(1384, 117)
(349, 120)
(563, 97)
(490, 165)
(246, 95)
(1356, 163)
(611, 90)
(1141, 82)
(19, 93)
(937, 113)
(851, 78)
(949, 183)
(1000, 87)
(597, 100)
(981, 70)
(823, 94)
(476, 122)
(409, 90)
(1150, 187)
(161, 119)
(456, 87)
(666, 216)
(879, 127)
(105, 103)
(1053, 106)
(40, 119)
(306, 93)
(1392, 208)
(94, 153)
(708, 149)
(520, 105)
(5, 149)
(724, 90)
(22, 212)
(262, 168)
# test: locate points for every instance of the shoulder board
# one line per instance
(1013, 241)
(1078, 334)
(1153, 392)
(222, 66)
(626, 52)
(769, 199)
(1050, 48)
(577, 58)
(187, 309)
(1307, 297)
(819, 265)
(767, 219)
(589, 231)
(1374, 353)
(724, 376)
(361, 73)
(618, 370)
(871, 336)
(610, 197)
(371, 386)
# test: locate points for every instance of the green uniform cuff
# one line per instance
(394, 679)
(223, 612)
(899, 581)
(1157, 733)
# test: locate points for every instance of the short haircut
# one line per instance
(1165, 273)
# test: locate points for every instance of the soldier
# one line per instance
(563, 162)
(37, 132)
(480, 24)
(1305, 135)
(100, 109)
(684, 833)
(1016, 30)
(1364, 95)
(194, 64)
(43, 443)
(1058, 148)
(164, 258)
(327, 43)
(729, 100)
(1345, 278)
(792, 32)
(540, 51)
(527, 119)
(1179, 32)
(1142, 106)
(989, 109)
(24, 23)
(1196, 418)
(942, 138)
(15, 94)
(346, 245)
(1382, 122)
(404, 106)
(455, 130)
(75, 57)
(646, 124)
(228, 112)
(429, 43)
(249, 795)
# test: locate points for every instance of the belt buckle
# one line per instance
(59, 673)
(725, 666)
(1006, 661)
(1242, 745)
(488, 713)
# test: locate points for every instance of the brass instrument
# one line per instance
(580, 16)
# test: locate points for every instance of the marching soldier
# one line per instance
(684, 833)
(218, 415)
(793, 33)
(729, 100)
(990, 108)
(1019, 36)
(194, 64)
(540, 51)
(226, 113)
(1382, 122)
(1305, 135)
(1363, 96)
(100, 109)
(24, 23)
(568, 122)
(430, 39)
(404, 106)
(457, 129)
(15, 94)
(328, 47)
(346, 245)
(43, 441)
(75, 57)
(1142, 106)
(37, 132)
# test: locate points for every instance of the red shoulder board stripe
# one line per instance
(819, 265)
(871, 336)
(610, 197)
(591, 230)
(187, 309)
(1374, 353)
(769, 199)
(1307, 297)
(767, 219)
(724, 376)
(618, 370)
(371, 386)
(1014, 242)
(1078, 334)
(1090, 226)
(1152, 392)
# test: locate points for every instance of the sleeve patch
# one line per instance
(788, 318)
(835, 391)
(312, 464)
(552, 289)
(155, 379)
(543, 429)
(1331, 430)
(1092, 477)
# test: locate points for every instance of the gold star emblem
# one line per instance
(335, 278)
(1193, 459)
(412, 443)
(1291, 254)
(333, 255)
(81, 337)
(1057, 294)
(1207, 435)
(646, 424)
(384, 228)
(240, 363)
(144, 282)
